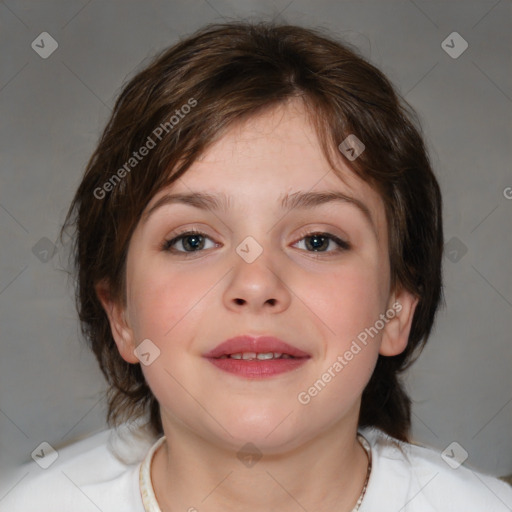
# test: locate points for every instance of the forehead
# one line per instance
(269, 155)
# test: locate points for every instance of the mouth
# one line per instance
(251, 357)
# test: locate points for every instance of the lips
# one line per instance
(251, 358)
(252, 345)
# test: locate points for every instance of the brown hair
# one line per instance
(183, 102)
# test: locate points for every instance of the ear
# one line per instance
(121, 331)
(396, 332)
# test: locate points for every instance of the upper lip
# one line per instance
(259, 345)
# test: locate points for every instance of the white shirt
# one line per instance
(101, 473)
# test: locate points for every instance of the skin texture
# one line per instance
(319, 301)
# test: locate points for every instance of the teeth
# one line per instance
(249, 356)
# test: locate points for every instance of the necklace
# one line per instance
(148, 494)
(367, 448)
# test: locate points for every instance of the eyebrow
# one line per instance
(296, 200)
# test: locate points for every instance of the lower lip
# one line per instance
(256, 368)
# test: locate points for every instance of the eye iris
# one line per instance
(317, 242)
(193, 242)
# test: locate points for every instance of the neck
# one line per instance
(326, 473)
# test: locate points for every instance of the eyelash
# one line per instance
(343, 245)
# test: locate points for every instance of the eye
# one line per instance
(321, 242)
(188, 242)
(195, 241)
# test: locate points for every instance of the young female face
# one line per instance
(315, 275)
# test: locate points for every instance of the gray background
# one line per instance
(53, 110)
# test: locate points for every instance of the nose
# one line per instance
(258, 286)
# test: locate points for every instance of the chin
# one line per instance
(273, 430)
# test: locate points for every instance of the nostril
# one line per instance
(240, 302)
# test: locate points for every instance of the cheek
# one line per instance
(347, 300)
(166, 307)
(161, 299)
